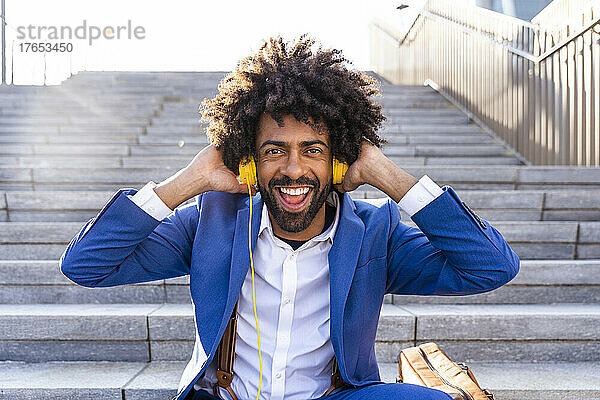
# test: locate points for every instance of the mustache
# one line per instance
(287, 181)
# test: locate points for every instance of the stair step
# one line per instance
(75, 139)
(448, 150)
(139, 332)
(71, 130)
(73, 112)
(457, 161)
(177, 162)
(41, 282)
(417, 104)
(87, 380)
(108, 121)
(174, 148)
(200, 139)
(492, 332)
(449, 129)
(73, 149)
(437, 139)
(417, 128)
(424, 114)
(407, 119)
(50, 101)
(191, 117)
(159, 380)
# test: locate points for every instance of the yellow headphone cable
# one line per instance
(247, 170)
(253, 292)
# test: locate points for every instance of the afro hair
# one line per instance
(289, 78)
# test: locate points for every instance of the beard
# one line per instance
(294, 221)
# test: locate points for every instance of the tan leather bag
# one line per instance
(427, 365)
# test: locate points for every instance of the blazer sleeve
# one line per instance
(123, 244)
(453, 253)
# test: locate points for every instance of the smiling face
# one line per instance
(294, 176)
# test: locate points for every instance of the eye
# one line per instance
(273, 151)
(314, 151)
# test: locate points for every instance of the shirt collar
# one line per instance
(327, 235)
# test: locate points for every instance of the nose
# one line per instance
(293, 167)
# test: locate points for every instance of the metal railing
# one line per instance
(536, 87)
(563, 14)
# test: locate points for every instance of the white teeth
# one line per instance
(295, 192)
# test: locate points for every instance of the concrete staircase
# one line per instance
(65, 150)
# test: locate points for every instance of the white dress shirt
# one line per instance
(292, 303)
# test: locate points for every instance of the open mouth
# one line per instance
(293, 198)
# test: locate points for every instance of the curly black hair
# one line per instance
(288, 78)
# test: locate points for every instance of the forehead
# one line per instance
(292, 131)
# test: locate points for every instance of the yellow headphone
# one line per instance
(248, 174)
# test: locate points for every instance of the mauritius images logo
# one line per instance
(85, 31)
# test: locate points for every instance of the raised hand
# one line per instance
(374, 168)
(204, 173)
(208, 166)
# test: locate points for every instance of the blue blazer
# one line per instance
(373, 253)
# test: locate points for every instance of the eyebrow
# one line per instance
(313, 142)
(272, 142)
(302, 144)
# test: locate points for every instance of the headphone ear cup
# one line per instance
(247, 169)
(339, 171)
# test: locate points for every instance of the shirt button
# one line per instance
(287, 300)
(279, 375)
(421, 198)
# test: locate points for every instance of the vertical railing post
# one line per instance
(572, 104)
(595, 111)
(3, 45)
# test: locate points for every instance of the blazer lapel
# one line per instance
(240, 258)
(343, 258)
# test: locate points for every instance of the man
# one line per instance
(322, 261)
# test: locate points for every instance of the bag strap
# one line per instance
(226, 355)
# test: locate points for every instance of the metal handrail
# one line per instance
(388, 34)
(532, 58)
(536, 88)
(561, 11)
